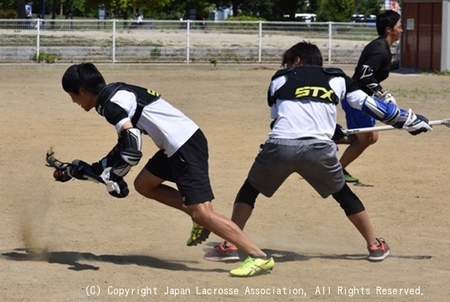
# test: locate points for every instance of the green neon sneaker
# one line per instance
(198, 234)
(253, 266)
(349, 178)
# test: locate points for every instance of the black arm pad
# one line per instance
(131, 146)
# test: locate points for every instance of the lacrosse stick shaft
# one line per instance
(94, 177)
(445, 122)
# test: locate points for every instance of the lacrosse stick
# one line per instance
(445, 122)
(61, 169)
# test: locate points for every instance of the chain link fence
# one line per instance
(184, 41)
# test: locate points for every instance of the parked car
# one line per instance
(358, 18)
(306, 17)
(371, 19)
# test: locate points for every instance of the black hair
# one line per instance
(308, 53)
(84, 75)
(387, 19)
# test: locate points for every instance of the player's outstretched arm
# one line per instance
(389, 114)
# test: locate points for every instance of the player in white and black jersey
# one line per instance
(373, 67)
(182, 157)
(303, 101)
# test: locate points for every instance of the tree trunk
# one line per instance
(21, 9)
(53, 14)
(235, 7)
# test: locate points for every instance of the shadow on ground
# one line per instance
(286, 256)
(406, 71)
(74, 260)
(281, 256)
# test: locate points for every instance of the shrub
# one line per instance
(213, 61)
(44, 57)
(8, 14)
(245, 18)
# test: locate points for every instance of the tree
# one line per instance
(262, 8)
(21, 9)
(291, 7)
(180, 8)
(336, 10)
(124, 7)
(313, 7)
(8, 4)
(369, 7)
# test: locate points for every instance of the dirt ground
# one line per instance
(102, 248)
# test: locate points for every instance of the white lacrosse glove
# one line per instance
(117, 187)
(386, 97)
(416, 123)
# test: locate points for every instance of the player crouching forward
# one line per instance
(182, 158)
(303, 99)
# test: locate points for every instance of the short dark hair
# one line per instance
(84, 75)
(308, 53)
(387, 19)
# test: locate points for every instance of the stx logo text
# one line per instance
(154, 93)
(314, 91)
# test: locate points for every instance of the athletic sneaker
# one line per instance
(378, 252)
(222, 252)
(349, 178)
(253, 266)
(198, 234)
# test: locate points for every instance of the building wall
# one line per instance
(445, 49)
(422, 36)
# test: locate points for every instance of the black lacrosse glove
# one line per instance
(414, 123)
(272, 123)
(78, 169)
(97, 168)
(123, 186)
(338, 133)
(419, 125)
(115, 185)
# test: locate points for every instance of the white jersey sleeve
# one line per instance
(127, 101)
(168, 127)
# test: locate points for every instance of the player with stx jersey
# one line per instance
(182, 158)
(302, 100)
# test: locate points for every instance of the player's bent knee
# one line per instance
(374, 138)
(247, 194)
(202, 213)
(348, 201)
(366, 139)
(139, 185)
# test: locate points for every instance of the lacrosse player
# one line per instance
(373, 67)
(303, 101)
(182, 158)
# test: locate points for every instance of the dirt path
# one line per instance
(104, 247)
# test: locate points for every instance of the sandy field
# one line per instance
(134, 249)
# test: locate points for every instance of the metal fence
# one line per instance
(164, 41)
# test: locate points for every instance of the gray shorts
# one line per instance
(315, 160)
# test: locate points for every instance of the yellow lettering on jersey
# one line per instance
(314, 91)
(154, 93)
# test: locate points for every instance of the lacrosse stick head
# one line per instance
(60, 173)
(52, 161)
(446, 122)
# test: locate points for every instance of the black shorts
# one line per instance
(188, 168)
